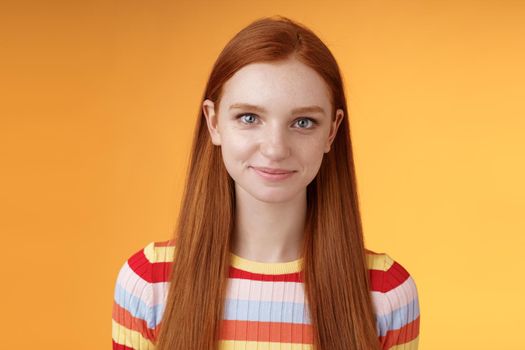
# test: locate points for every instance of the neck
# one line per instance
(268, 231)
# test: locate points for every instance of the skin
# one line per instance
(270, 215)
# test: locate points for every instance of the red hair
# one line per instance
(335, 271)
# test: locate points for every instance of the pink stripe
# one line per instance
(398, 297)
(265, 291)
(138, 287)
(403, 294)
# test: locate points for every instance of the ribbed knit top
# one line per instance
(265, 305)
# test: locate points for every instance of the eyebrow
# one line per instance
(306, 109)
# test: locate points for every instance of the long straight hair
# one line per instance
(335, 271)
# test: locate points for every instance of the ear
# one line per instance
(334, 126)
(208, 108)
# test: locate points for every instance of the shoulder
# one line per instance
(153, 262)
(386, 273)
(396, 301)
(139, 295)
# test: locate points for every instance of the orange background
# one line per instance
(98, 101)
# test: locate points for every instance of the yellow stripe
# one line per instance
(266, 267)
(130, 338)
(165, 254)
(380, 262)
(259, 345)
(411, 345)
(158, 254)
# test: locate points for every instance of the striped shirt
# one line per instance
(265, 303)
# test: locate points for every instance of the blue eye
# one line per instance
(313, 121)
(242, 115)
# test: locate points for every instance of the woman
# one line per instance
(268, 251)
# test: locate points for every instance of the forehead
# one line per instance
(276, 85)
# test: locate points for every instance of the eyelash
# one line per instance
(314, 122)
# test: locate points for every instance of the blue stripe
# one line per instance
(397, 318)
(265, 311)
(135, 306)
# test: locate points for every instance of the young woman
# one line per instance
(268, 251)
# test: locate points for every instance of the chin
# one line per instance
(268, 193)
(274, 195)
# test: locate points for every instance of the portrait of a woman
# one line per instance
(269, 250)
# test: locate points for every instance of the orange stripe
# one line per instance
(298, 333)
(166, 243)
(402, 335)
(126, 319)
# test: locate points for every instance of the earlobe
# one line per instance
(208, 109)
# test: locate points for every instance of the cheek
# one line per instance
(235, 149)
(312, 147)
(311, 155)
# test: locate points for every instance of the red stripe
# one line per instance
(286, 277)
(160, 272)
(400, 336)
(384, 281)
(396, 275)
(376, 280)
(127, 320)
(283, 332)
(150, 272)
(117, 346)
(381, 281)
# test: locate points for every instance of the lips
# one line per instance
(273, 170)
(273, 174)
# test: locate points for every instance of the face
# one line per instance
(273, 115)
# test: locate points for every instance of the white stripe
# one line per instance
(278, 291)
(402, 295)
(150, 293)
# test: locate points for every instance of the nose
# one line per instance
(275, 144)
